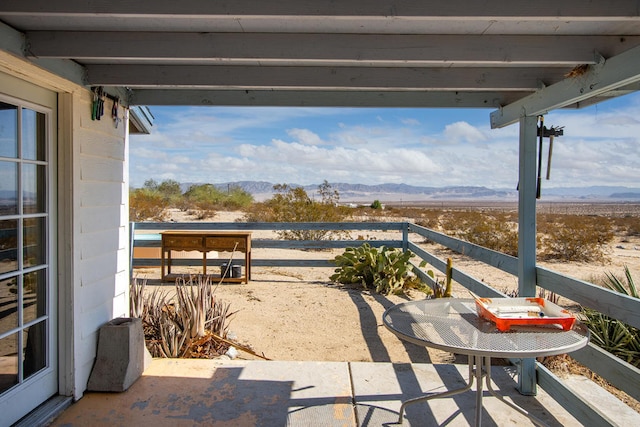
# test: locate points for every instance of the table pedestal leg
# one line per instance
(536, 421)
(439, 395)
(479, 362)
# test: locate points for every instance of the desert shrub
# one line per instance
(576, 238)
(293, 204)
(145, 204)
(376, 204)
(204, 199)
(237, 198)
(496, 234)
(630, 225)
(611, 334)
(168, 189)
(494, 231)
(560, 237)
(429, 218)
(386, 270)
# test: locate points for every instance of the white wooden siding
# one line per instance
(97, 144)
(101, 240)
(95, 194)
(101, 218)
(96, 243)
(101, 169)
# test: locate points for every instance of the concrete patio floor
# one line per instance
(187, 392)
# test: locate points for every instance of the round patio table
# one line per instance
(453, 325)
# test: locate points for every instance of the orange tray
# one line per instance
(508, 312)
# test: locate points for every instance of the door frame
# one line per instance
(29, 95)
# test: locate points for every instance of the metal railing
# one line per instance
(620, 374)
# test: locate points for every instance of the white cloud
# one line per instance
(599, 147)
(410, 122)
(305, 136)
(313, 164)
(463, 131)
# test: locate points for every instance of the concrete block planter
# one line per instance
(122, 355)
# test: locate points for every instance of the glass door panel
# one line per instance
(34, 181)
(8, 130)
(8, 245)
(8, 362)
(8, 187)
(25, 282)
(33, 135)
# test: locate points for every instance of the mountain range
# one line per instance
(262, 190)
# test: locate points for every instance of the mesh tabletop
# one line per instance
(453, 325)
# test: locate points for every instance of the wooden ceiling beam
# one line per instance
(329, 49)
(621, 71)
(329, 78)
(559, 10)
(324, 98)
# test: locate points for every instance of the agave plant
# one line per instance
(191, 305)
(136, 297)
(616, 284)
(611, 334)
(173, 336)
(172, 325)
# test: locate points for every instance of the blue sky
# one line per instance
(426, 147)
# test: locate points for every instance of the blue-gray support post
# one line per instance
(405, 236)
(527, 235)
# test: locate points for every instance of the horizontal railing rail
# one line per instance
(622, 307)
(270, 226)
(493, 258)
(153, 240)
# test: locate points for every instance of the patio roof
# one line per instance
(513, 56)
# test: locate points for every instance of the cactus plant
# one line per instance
(387, 270)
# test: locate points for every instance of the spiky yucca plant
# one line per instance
(611, 334)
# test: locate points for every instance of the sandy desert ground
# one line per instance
(298, 314)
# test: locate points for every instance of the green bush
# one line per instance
(204, 196)
(150, 201)
(168, 189)
(293, 204)
(376, 204)
(386, 270)
(612, 335)
(237, 198)
(205, 199)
